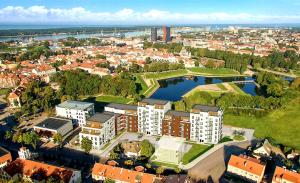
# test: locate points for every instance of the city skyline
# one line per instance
(149, 12)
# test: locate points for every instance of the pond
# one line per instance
(173, 89)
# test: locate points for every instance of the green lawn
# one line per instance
(168, 165)
(4, 91)
(166, 74)
(154, 86)
(220, 71)
(237, 89)
(281, 124)
(221, 86)
(195, 151)
(238, 137)
(141, 81)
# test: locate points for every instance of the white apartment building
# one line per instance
(150, 115)
(206, 124)
(75, 110)
(99, 128)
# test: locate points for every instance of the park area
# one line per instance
(282, 124)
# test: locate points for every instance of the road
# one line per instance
(213, 166)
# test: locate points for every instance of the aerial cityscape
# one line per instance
(147, 91)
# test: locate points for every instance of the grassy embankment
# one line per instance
(281, 124)
(214, 72)
(195, 151)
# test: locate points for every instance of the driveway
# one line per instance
(214, 165)
(228, 131)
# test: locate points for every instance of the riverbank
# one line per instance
(150, 80)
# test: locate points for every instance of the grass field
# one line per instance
(166, 74)
(195, 151)
(221, 86)
(221, 71)
(237, 89)
(168, 165)
(281, 124)
(141, 81)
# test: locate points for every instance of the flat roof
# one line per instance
(170, 142)
(122, 106)
(155, 101)
(71, 104)
(101, 117)
(206, 108)
(178, 113)
(53, 123)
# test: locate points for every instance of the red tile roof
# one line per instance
(248, 164)
(37, 170)
(282, 174)
(121, 174)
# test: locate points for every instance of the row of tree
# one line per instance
(78, 82)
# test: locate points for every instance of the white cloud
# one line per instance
(42, 14)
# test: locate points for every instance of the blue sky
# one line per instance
(149, 11)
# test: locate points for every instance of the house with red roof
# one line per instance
(33, 171)
(102, 172)
(246, 167)
(282, 175)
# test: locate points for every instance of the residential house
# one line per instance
(33, 171)
(132, 148)
(5, 157)
(102, 172)
(282, 175)
(247, 168)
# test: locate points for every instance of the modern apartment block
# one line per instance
(150, 115)
(75, 110)
(166, 34)
(206, 124)
(153, 35)
(99, 128)
(126, 116)
(176, 123)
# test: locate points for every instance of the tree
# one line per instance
(8, 135)
(296, 84)
(57, 138)
(128, 162)
(86, 144)
(113, 155)
(107, 180)
(275, 89)
(148, 165)
(197, 63)
(160, 170)
(30, 138)
(177, 170)
(147, 149)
